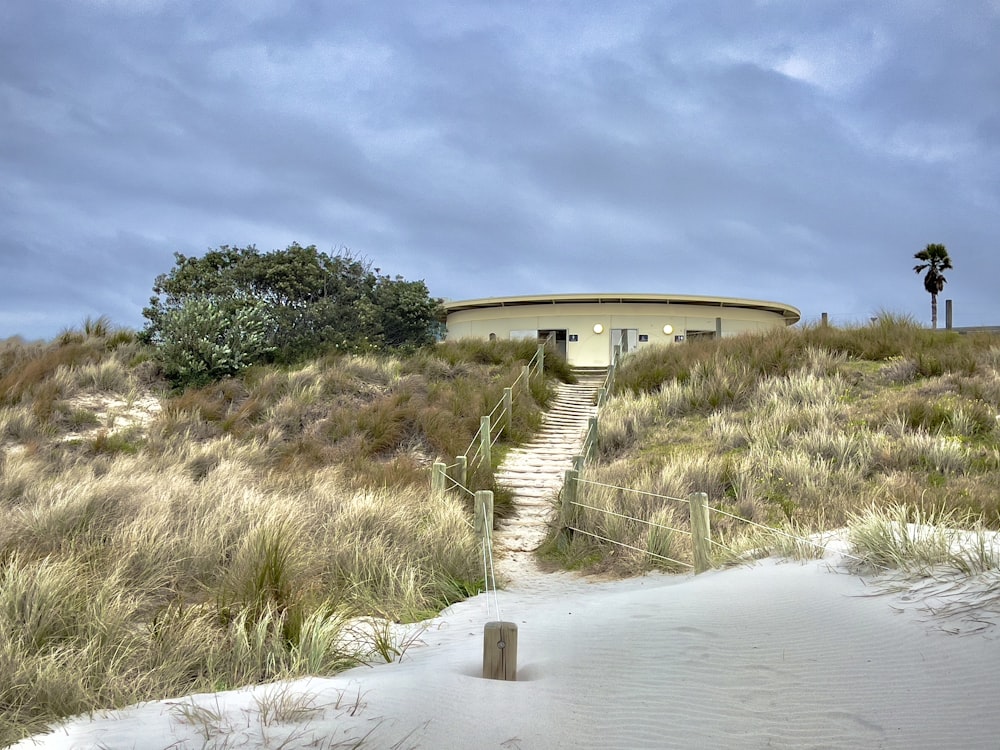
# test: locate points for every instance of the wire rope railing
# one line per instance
(629, 546)
(787, 535)
(632, 518)
(634, 491)
(701, 511)
(704, 547)
(496, 408)
(452, 484)
(455, 476)
(499, 637)
(491, 428)
(490, 580)
(771, 529)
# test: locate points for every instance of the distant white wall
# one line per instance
(592, 349)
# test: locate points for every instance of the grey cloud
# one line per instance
(778, 150)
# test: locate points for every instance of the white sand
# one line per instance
(778, 655)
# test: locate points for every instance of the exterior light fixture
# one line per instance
(598, 328)
(668, 329)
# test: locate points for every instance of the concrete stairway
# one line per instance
(535, 471)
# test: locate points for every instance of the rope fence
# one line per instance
(456, 475)
(631, 518)
(701, 511)
(477, 453)
(499, 637)
(628, 546)
(779, 532)
(489, 578)
(446, 477)
(629, 489)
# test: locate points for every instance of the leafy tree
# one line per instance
(407, 316)
(934, 259)
(286, 306)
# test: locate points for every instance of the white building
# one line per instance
(586, 328)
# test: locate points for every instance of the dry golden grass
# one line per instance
(794, 429)
(227, 538)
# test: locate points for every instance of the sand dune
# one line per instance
(776, 655)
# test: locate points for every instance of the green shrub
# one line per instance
(204, 340)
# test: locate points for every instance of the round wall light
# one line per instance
(598, 328)
(668, 329)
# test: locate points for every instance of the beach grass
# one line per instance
(796, 429)
(161, 543)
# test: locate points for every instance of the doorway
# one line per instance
(623, 341)
(555, 337)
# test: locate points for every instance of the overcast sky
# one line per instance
(780, 150)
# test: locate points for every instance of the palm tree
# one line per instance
(935, 260)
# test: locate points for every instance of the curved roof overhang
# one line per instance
(791, 315)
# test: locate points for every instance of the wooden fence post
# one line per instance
(484, 512)
(500, 651)
(578, 463)
(700, 533)
(569, 495)
(461, 470)
(541, 358)
(486, 442)
(438, 479)
(526, 377)
(508, 411)
(592, 437)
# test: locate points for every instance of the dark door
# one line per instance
(554, 337)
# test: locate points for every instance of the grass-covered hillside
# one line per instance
(800, 429)
(159, 542)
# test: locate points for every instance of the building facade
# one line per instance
(588, 328)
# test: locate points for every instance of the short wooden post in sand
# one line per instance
(438, 473)
(500, 651)
(484, 512)
(700, 533)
